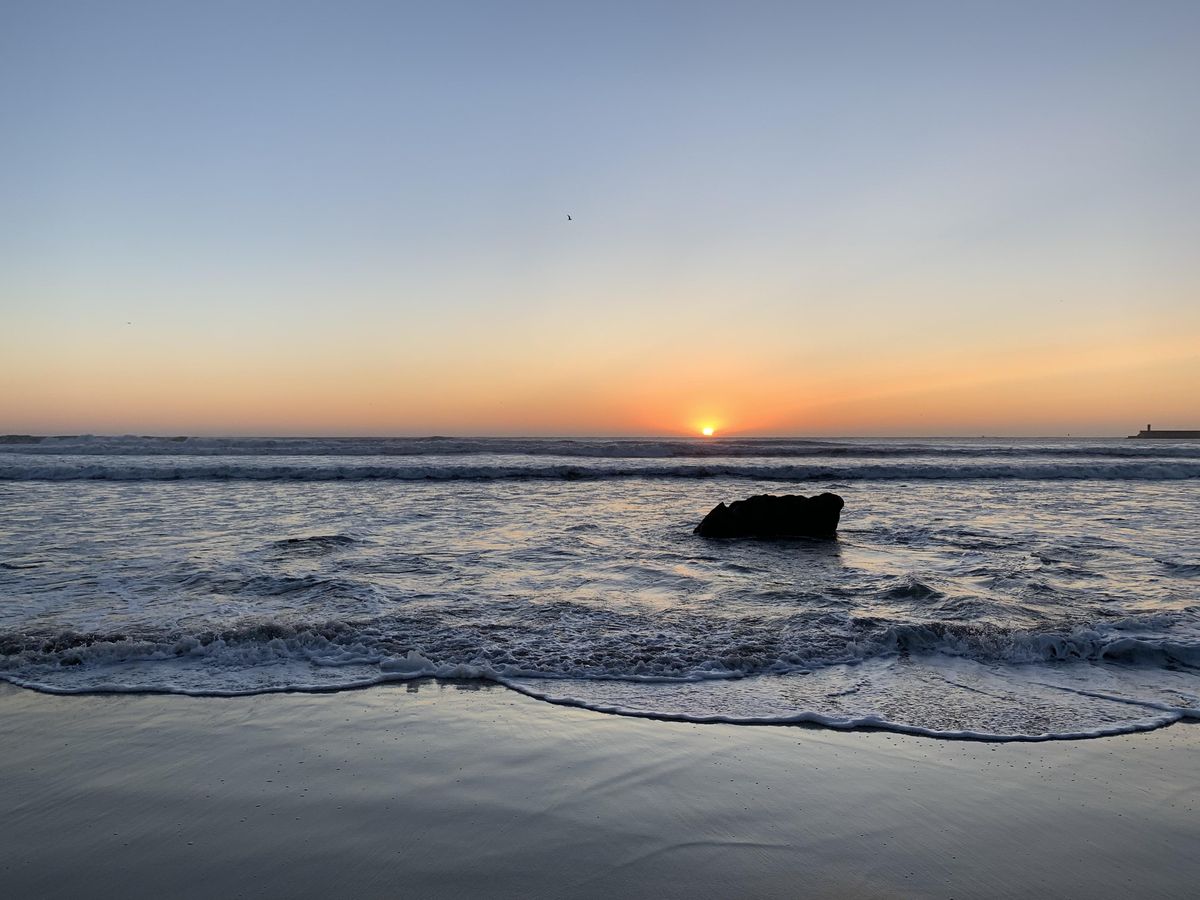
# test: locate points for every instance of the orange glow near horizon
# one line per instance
(321, 243)
(707, 431)
(613, 380)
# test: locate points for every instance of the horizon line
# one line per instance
(567, 437)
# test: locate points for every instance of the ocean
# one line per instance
(1000, 589)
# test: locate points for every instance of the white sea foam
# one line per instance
(154, 468)
(904, 678)
(934, 696)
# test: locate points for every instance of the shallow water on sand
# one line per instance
(977, 588)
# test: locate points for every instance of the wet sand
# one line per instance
(451, 790)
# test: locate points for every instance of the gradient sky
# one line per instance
(789, 218)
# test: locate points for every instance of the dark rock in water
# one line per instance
(768, 516)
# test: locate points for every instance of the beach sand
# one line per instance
(451, 790)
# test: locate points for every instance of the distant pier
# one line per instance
(1167, 435)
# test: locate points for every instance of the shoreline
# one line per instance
(449, 789)
(816, 721)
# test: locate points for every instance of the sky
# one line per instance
(891, 218)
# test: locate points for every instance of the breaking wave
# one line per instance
(70, 469)
(769, 673)
(666, 648)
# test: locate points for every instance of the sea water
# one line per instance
(1008, 589)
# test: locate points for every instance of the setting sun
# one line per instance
(707, 431)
